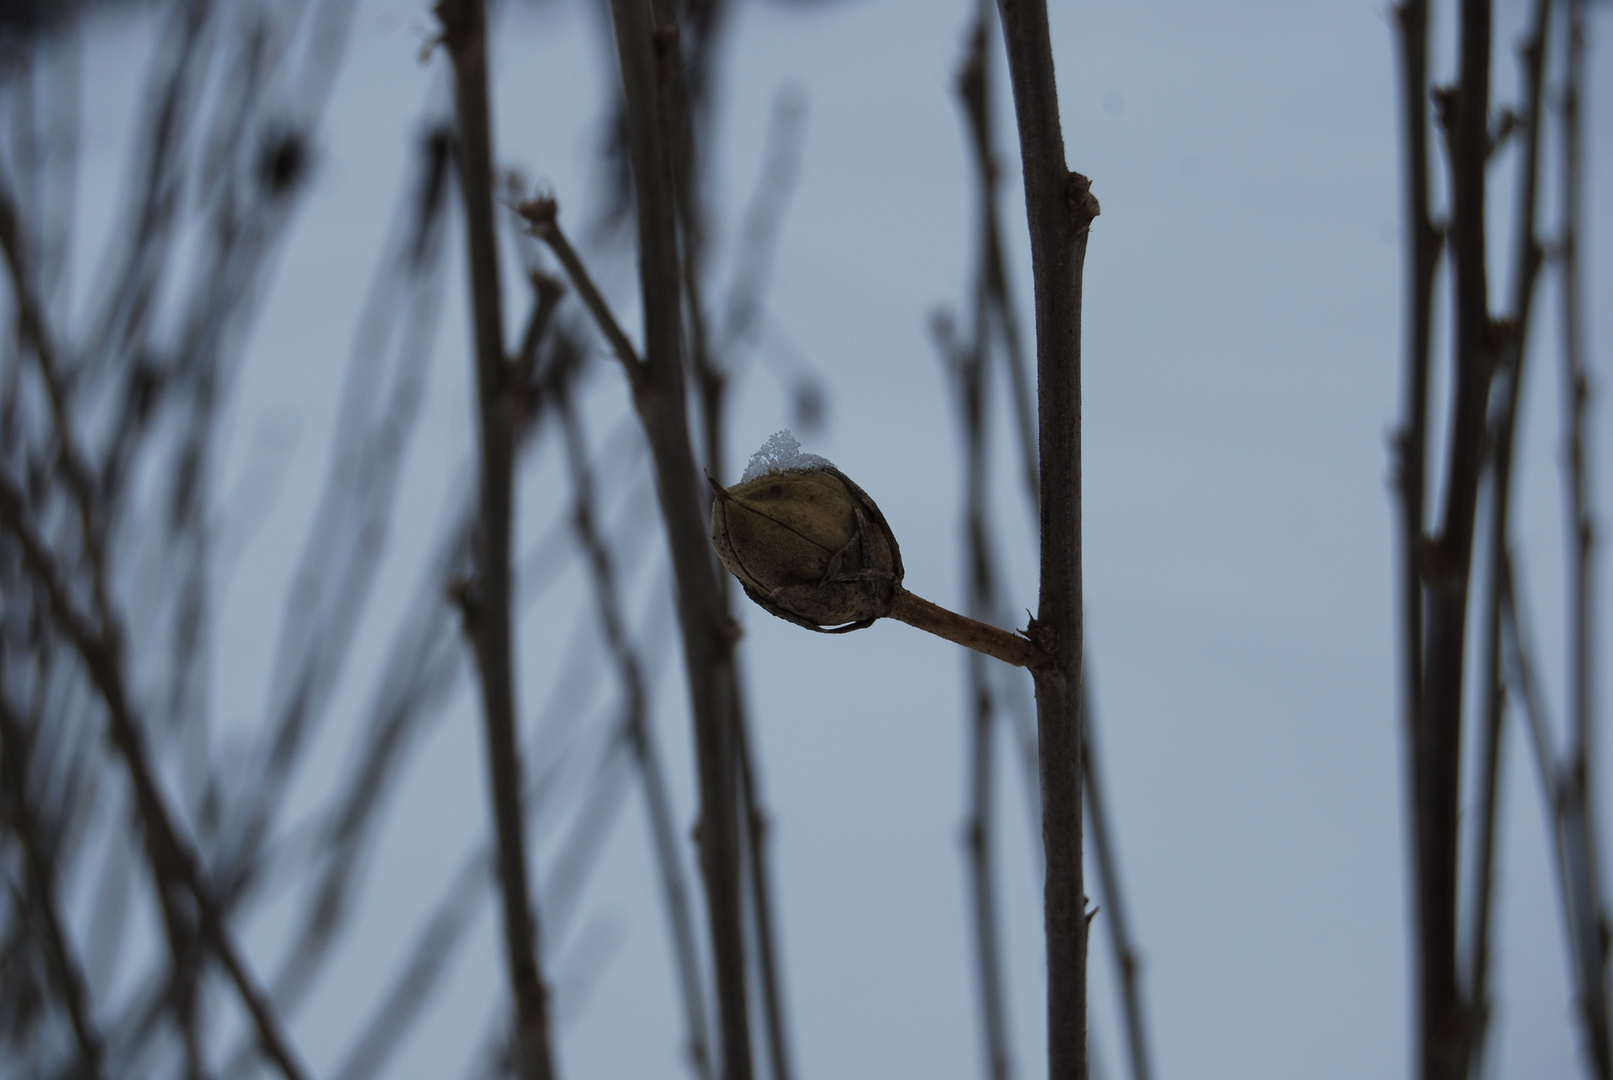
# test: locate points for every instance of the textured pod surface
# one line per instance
(810, 546)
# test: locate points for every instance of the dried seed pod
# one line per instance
(809, 546)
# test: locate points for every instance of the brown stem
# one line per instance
(962, 630)
(465, 39)
(1059, 209)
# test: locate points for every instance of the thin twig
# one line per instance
(1567, 811)
(1059, 209)
(708, 634)
(173, 860)
(464, 25)
(657, 802)
(1444, 1016)
(969, 368)
(973, 634)
(1127, 961)
(754, 835)
(995, 297)
(35, 329)
(15, 752)
(1422, 248)
(542, 216)
(712, 365)
(1580, 850)
(965, 364)
(1504, 409)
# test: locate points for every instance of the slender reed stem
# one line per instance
(542, 217)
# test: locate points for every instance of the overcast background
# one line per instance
(1241, 378)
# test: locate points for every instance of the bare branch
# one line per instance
(1580, 850)
(1505, 395)
(1059, 207)
(14, 756)
(706, 629)
(465, 39)
(1584, 928)
(630, 672)
(1127, 961)
(542, 216)
(173, 861)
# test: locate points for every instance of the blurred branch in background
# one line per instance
(635, 709)
(1489, 353)
(486, 601)
(235, 98)
(1503, 425)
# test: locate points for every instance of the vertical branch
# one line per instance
(1504, 410)
(660, 399)
(488, 613)
(1587, 917)
(1444, 1018)
(966, 364)
(1583, 927)
(1060, 207)
(1423, 242)
(683, 95)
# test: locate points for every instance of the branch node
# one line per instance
(1083, 205)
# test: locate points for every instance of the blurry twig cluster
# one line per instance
(1463, 557)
